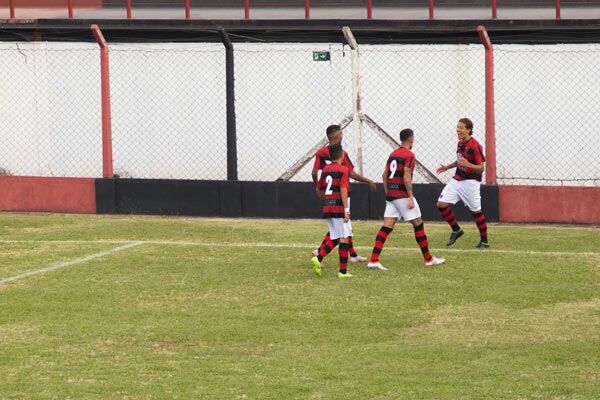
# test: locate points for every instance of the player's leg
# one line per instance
(471, 196)
(421, 238)
(450, 196)
(325, 250)
(326, 241)
(354, 257)
(390, 216)
(344, 250)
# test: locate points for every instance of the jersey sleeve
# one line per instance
(348, 163)
(344, 180)
(410, 163)
(317, 164)
(478, 156)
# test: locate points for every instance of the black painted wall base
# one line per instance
(260, 199)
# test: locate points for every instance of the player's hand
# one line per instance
(372, 186)
(411, 203)
(462, 162)
(441, 169)
(320, 194)
(346, 216)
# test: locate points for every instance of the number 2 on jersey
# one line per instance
(329, 181)
(393, 168)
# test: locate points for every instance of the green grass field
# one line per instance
(184, 308)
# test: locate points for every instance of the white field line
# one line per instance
(301, 246)
(62, 265)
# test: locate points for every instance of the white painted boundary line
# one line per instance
(68, 263)
(300, 246)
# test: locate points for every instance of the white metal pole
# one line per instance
(356, 108)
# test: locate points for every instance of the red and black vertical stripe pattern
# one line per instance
(343, 250)
(421, 238)
(382, 235)
(326, 247)
(448, 216)
(481, 225)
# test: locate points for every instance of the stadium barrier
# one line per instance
(165, 119)
(186, 5)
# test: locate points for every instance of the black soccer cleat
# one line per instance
(482, 245)
(454, 236)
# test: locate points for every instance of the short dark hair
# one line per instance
(335, 151)
(468, 124)
(406, 134)
(332, 129)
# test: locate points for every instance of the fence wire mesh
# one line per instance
(285, 99)
(50, 109)
(547, 114)
(169, 116)
(426, 88)
(168, 111)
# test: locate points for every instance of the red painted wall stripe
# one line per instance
(68, 195)
(560, 204)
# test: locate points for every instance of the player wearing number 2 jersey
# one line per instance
(332, 188)
(400, 202)
(322, 159)
(465, 185)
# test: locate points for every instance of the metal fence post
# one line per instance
(107, 159)
(356, 106)
(232, 169)
(490, 116)
(557, 6)
(11, 5)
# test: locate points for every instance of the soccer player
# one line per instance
(323, 158)
(400, 201)
(333, 188)
(466, 183)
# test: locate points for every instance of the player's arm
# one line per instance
(344, 193)
(320, 189)
(444, 168)
(315, 176)
(358, 177)
(409, 187)
(479, 168)
(385, 178)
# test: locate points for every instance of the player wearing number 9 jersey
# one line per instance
(333, 188)
(400, 202)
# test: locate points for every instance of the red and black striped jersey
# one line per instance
(397, 161)
(473, 153)
(333, 178)
(322, 158)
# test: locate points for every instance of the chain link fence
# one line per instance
(168, 111)
(50, 109)
(426, 88)
(169, 108)
(547, 114)
(285, 99)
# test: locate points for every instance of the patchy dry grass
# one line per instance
(162, 321)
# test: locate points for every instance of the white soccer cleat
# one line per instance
(376, 266)
(315, 252)
(435, 261)
(358, 259)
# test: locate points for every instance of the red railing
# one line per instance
(490, 114)
(107, 158)
(369, 5)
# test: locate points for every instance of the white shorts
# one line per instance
(399, 209)
(338, 229)
(468, 191)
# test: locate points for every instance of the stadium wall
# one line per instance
(258, 199)
(549, 204)
(66, 195)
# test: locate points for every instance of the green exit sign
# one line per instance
(321, 56)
